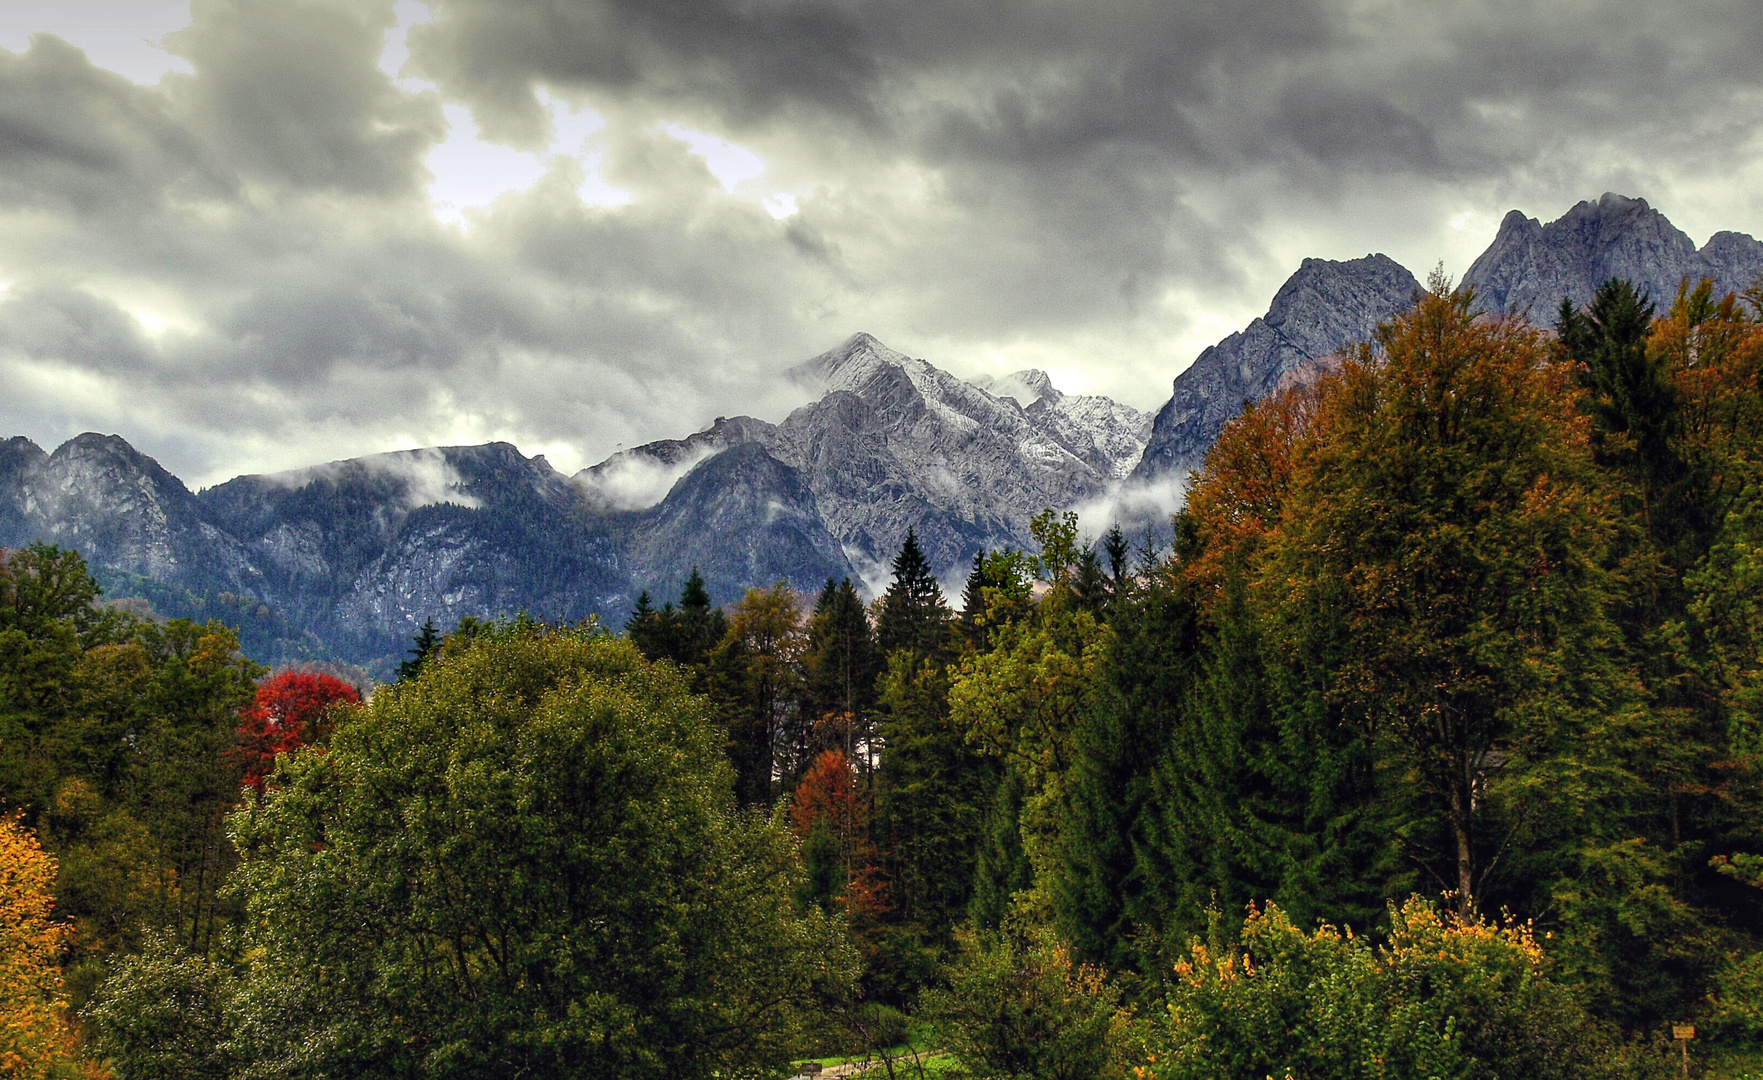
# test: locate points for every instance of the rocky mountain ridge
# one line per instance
(1320, 310)
(1527, 270)
(345, 560)
(1530, 266)
(894, 442)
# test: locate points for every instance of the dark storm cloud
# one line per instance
(76, 136)
(241, 267)
(292, 92)
(752, 58)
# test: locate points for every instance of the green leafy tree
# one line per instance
(527, 861)
(754, 678)
(1019, 1006)
(114, 735)
(1451, 498)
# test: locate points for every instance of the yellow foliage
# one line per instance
(36, 1040)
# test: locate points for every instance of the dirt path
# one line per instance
(906, 1065)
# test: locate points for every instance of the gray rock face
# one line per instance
(641, 477)
(1320, 310)
(897, 443)
(346, 560)
(1526, 271)
(360, 552)
(128, 515)
(1531, 266)
(743, 518)
(20, 458)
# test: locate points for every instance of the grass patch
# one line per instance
(1727, 1063)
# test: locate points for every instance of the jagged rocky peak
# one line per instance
(19, 455)
(1321, 309)
(1328, 305)
(1530, 266)
(849, 366)
(725, 432)
(20, 458)
(101, 495)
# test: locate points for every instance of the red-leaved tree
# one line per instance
(827, 799)
(291, 710)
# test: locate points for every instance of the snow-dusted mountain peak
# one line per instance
(849, 366)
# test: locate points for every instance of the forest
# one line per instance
(1431, 746)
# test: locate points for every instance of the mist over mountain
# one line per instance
(346, 560)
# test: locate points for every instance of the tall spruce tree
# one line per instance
(1111, 881)
(932, 784)
(423, 648)
(1633, 403)
(684, 634)
(911, 614)
(839, 668)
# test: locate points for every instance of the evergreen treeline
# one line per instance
(1431, 747)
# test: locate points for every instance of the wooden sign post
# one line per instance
(1683, 1033)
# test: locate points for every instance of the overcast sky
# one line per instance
(255, 234)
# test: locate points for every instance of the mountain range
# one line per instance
(344, 561)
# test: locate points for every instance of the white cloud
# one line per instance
(631, 481)
(731, 163)
(429, 479)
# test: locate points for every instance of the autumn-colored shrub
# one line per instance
(36, 1040)
(291, 710)
(1445, 996)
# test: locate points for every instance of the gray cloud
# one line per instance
(239, 268)
(292, 92)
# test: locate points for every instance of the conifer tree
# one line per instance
(1630, 397)
(1089, 585)
(911, 614)
(839, 667)
(684, 634)
(1110, 878)
(1116, 548)
(699, 625)
(428, 641)
(1001, 867)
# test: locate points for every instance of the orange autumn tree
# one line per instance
(830, 819)
(291, 710)
(1238, 496)
(36, 1040)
